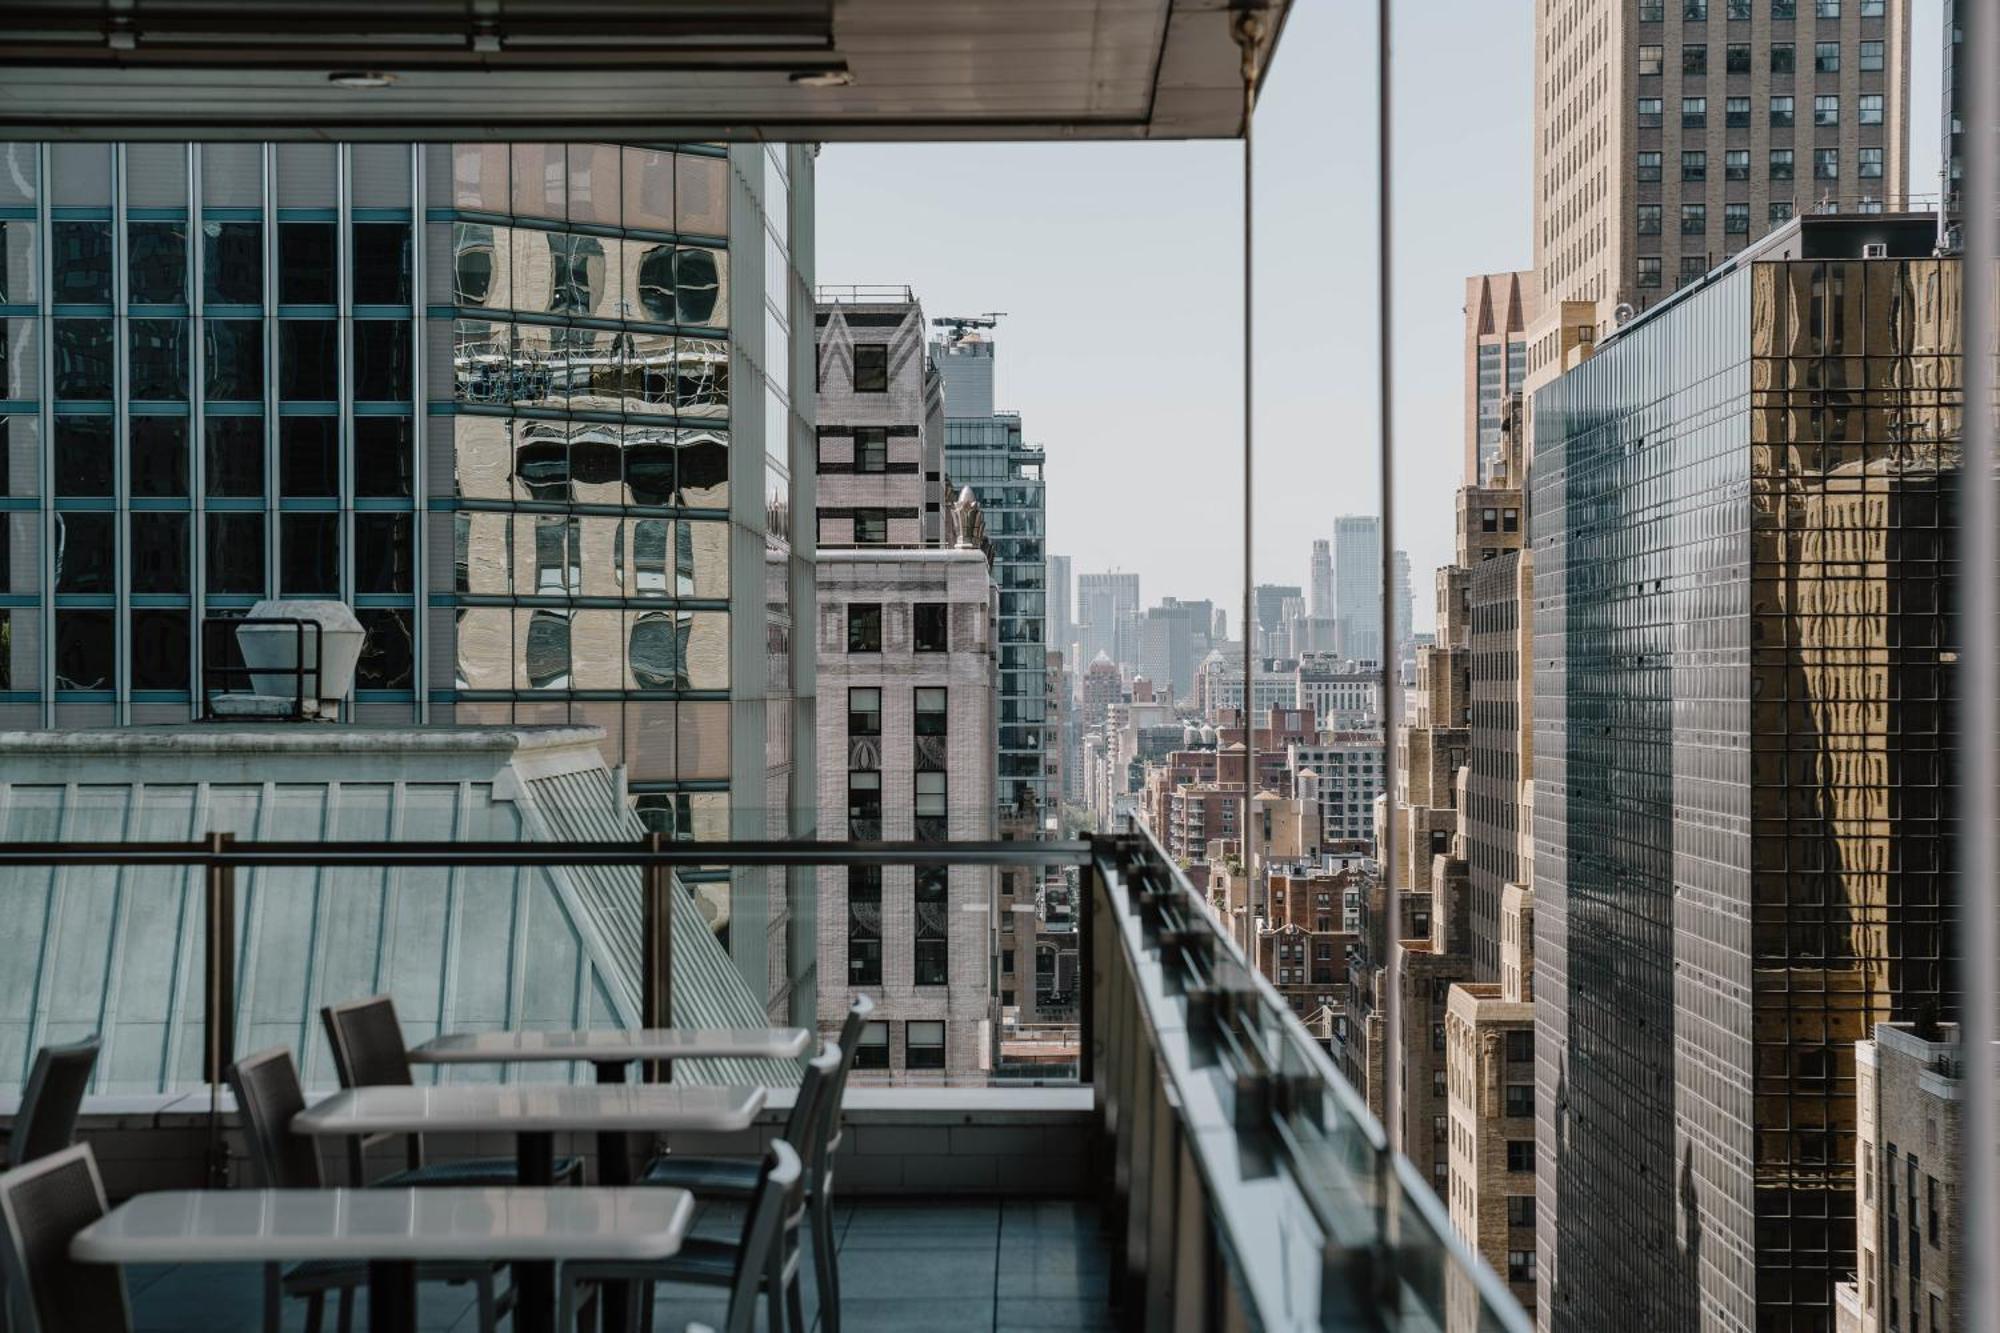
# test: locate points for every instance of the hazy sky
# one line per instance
(1118, 267)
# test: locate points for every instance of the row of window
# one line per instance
(158, 640)
(930, 952)
(930, 626)
(160, 550)
(1651, 111)
(871, 368)
(158, 366)
(1782, 165)
(156, 266)
(923, 1045)
(1736, 58)
(158, 457)
(1696, 11)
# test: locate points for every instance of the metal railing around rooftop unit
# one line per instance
(864, 293)
(1246, 1182)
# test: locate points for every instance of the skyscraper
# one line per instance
(1107, 603)
(1669, 134)
(984, 449)
(1357, 585)
(1744, 755)
(1062, 585)
(1320, 604)
(1499, 307)
(496, 397)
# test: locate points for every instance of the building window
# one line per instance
(1694, 11)
(1826, 57)
(1784, 9)
(864, 926)
(1692, 267)
(1694, 167)
(871, 527)
(1784, 58)
(864, 805)
(1736, 219)
(871, 449)
(1931, 1212)
(933, 808)
(1510, 520)
(1826, 109)
(1648, 167)
(864, 627)
(1871, 57)
(1873, 9)
(1520, 1045)
(1736, 58)
(1781, 164)
(871, 367)
(1694, 219)
(872, 1052)
(1652, 59)
(1782, 116)
(1871, 108)
(1652, 11)
(1650, 113)
(1694, 112)
(1736, 164)
(1869, 165)
(1826, 9)
(933, 916)
(1648, 225)
(931, 623)
(1649, 270)
(1739, 10)
(1694, 59)
(1826, 164)
(1519, 1099)
(864, 715)
(1520, 1210)
(1736, 113)
(923, 1044)
(931, 718)
(1489, 519)
(1520, 1265)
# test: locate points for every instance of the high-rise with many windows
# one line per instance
(1669, 134)
(1744, 760)
(1498, 309)
(533, 410)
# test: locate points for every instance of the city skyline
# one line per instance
(1081, 288)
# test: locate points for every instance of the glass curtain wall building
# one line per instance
(1742, 523)
(533, 410)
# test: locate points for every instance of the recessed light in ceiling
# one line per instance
(823, 78)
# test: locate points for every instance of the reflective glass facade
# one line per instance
(532, 410)
(1741, 531)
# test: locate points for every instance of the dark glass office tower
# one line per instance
(1741, 523)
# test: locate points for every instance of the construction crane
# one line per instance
(960, 325)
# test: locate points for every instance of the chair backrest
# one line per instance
(367, 1041)
(851, 1028)
(772, 1213)
(42, 1207)
(46, 1121)
(803, 1124)
(268, 1095)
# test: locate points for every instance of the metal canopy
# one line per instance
(795, 70)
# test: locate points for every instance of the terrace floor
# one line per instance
(1005, 1265)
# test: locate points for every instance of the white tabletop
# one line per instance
(531, 1109)
(614, 1044)
(513, 1223)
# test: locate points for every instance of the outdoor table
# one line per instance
(533, 1113)
(391, 1230)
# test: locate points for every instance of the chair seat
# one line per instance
(704, 1175)
(474, 1172)
(700, 1260)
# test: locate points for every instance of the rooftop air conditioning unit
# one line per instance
(1874, 249)
(299, 657)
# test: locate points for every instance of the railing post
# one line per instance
(1088, 978)
(218, 994)
(656, 967)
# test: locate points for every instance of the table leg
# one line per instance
(535, 1284)
(614, 1167)
(392, 1297)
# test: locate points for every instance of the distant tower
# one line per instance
(1321, 603)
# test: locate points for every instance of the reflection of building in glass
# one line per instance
(1741, 512)
(530, 409)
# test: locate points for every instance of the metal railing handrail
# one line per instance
(509, 855)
